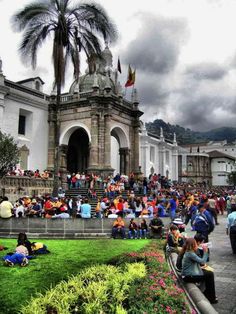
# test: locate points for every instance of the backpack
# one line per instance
(203, 224)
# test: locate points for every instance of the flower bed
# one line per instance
(158, 292)
(138, 283)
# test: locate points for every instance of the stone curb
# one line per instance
(195, 296)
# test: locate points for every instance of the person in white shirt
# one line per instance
(6, 208)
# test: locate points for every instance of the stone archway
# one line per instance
(120, 152)
(75, 145)
(78, 151)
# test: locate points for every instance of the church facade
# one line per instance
(100, 130)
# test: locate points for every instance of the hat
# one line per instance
(177, 221)
(33, 200)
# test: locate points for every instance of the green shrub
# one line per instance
(98, 289)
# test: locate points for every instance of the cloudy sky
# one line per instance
(184, 52)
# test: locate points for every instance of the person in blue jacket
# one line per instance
(203, 222)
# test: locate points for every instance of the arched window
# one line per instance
(190, 166)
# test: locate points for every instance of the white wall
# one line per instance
(220, 168)
(36, 137)
(165, 156)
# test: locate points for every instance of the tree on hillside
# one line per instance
(75, 27)
(9, 154)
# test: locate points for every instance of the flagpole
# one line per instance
(116, 81)
(134, 81)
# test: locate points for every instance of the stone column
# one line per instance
(3, 92)
(122, 160)
(2, 106)
(175, 165)
(101, 140)
(162, 159)
(51, 136)
(144, 157)
(63, 164)
(107, 141)
(127, 160)
(136, 168)
(93, 154)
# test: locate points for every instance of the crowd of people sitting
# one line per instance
(140, 230)
(17, 171)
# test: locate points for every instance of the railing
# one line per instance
(22, 181)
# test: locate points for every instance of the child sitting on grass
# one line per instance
(39, 248)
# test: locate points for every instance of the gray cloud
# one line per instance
(207, 71)
(157, 47)
(190, 102)
(199, 97)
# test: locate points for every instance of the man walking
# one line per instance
(231, 229)
(203, 222)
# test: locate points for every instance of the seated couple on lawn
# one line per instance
(24, 251)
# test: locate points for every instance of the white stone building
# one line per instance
(24, 115)
(221, 146)
(158, 155)
(221, 166)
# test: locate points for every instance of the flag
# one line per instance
(118, 65)
(130, 78)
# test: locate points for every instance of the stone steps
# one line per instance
(55, 235)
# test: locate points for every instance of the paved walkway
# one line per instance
(224, 264)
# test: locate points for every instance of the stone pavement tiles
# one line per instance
(224, 264)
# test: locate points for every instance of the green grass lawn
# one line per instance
(67, 257)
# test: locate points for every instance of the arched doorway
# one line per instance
(78, 151)
(120, 153)
(115, 154)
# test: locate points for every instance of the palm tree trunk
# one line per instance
(56, 143)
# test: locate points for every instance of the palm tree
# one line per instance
(76, 28)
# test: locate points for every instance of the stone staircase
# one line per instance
(83, 191)
(75, 192)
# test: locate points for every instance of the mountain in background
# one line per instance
(187, 136)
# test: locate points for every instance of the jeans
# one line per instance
(172, 214)
(132, 234)
(142, 233)
(15, 258)
(120, 231)
(144, 190)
